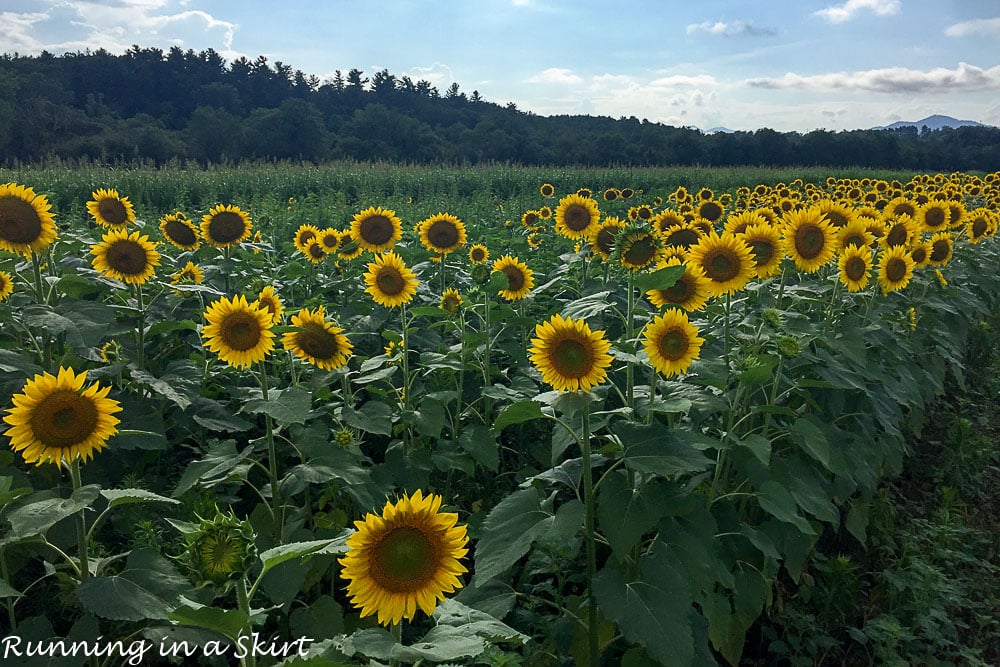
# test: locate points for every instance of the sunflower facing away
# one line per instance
(569, 355)
(672, 342)
(376, 229)
(110, 210)
(895, 269)
(520, 279)
(191, 273)
(478, 254)
(442, 233)
(318, 342)
(26, 223)
(405, 558)
(179, 231)
(389, 281)
(690, 292)
(6, 285)
(576, 215)
(809, 238)
(269, 300)
(855, 265)
(130, 258)
(225, 225)
(237, 331)
(725, 260)
(56, 418)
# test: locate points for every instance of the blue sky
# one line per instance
(834, 64)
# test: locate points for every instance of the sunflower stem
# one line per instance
(9, 601)
(243, 599)
(36, 268)
(272, 456)
(588, 531)
(140, 330)
(397, 633)
(629, 336)
(487, 411)
(406, 371)
(725, 335)
(81, 523)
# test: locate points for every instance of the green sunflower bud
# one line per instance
(481, 273)
(221, 549)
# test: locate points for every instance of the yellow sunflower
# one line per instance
(317, 342)
(451, 300)
(545, 213)
(409, 557)
(530, 218)
(604, 236)
(737, 223)
(767, 247)
(726, 261)
(238, 332)
(130, 258)
(478, 254)
(690, 292)
(836, 214)
(683, 235)
(389, 281)
(179, 231)
(520, 279)
(855, 233)
(569, 355)
(110, 210)
(920, 251)
(376, 229)
(665, 220)
(933, 216)
(6, 285)
(315, 252)
(270, 301)
(26, 222)
(225, 226)
(671, 342)
(895, 269)
(710, 210)
(899, 206)
(978, 224)
(576, 216)
(855, 265)
(809, 238)
(442, 233)
(637, 249)
(899, 231)
(547, 190)
(329, 240)
(305, 235)
(57, 419)
(348, 248)
(191, 273)
(941, 249)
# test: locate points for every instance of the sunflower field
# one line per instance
(488, 418)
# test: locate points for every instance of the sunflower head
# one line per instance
(130, 258)
(569, 355)
(690, 292)
(389, 281)
(317, 341)
(605, 236)
(895, 269)
(443, 233)
(637, 248)
(520, 279)
(240, 333)
(349, 248)
(404, 559)
(305, 235)
(855, 264)
(219, 550)
(110, 210)
(329, 239)
(225, 226)
(809, 238)
(6, 285)
(57, 419)
(671, 342)
(451, 300)
(767, 247)
(726, 261)
(376, 229)
(576, 215)
(26, 222)
(190, 274)
(547, 190)
(270, 300)
(179, 231)
(478, 254)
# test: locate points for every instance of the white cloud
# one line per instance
(556, 75)
(437, 74)
(17, 32)
(965, 77)
(987, 27)
(731, 29)
(846, 11)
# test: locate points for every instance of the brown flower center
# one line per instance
(895, 270)
(241, 331)
(63, 419)
(443, 234)
(855, 268)
(940, 250)
(113, 211)
(317, 342)
(721, 265)
(809, 241)
(19, 221)
(515, 278)
(377, 229)
(576, 217)
(389, 281)
(640, 252)
(403, 559)
(710, 211)
(180, 233)
(763, 251)
(571, 358)
(682, 238)
(935, 217)
(226, 227)
(127, 257)
(673, 344)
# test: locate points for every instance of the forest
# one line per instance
(156, 107)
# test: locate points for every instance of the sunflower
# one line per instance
(809, 239)
(854, 233)
(225, 225)
(569, 355)
(408, 557)
(671, 342)
(576, 215)
(899, 206)
(520, 279)
(329, 240)
(603, 239)
(478, 254)
(683, 236)
(690, 292)
(110, 210)
(6, 285)
(956, 214)
(710, 210)
(271, 302)
(899, 231)
(665, 220)
(191, 273)
(737, 223)
(305, 235)
(315, 252)
(941, 249)
(611, 194)
(726, 261)
(836, 214)
(26, 223)
(637, 248)
(451, 300)
(933, 216)
(130, 258)
(547, 190)
(978, 224)
(442, 233)
(237, 331)
(767, 247)
(855, 264)
(179, 231)
(920, 251)
(376, 229)
(530, 218)
(348, 248)
(534, 240)
(317, 342)
(389, 281)
(545, 213)
(895, 269)
(57, 419)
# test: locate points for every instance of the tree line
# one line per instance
(161, 106)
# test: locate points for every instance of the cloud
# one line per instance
(438, 75)
(988, 27)
(846, 11)
(17, 32)
(965, 77)
(556, 75)
(733, 29)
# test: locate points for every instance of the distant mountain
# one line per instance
(935, 122)
(720, 129)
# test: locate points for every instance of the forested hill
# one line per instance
(159, 106)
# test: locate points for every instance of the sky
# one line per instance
(743, 65)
